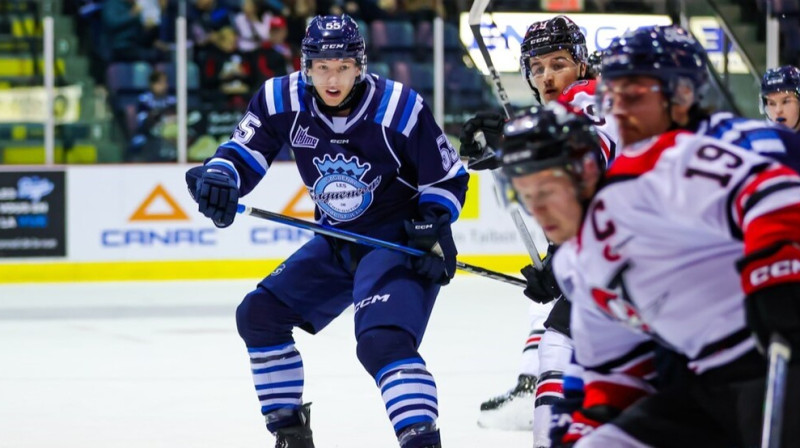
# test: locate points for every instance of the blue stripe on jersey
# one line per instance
(246, 156)
(387, 93)
(411, 100)
(277, 92)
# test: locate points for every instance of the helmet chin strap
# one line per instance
(349, 101)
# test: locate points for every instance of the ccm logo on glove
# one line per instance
(778, 269)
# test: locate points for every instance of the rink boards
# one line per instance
(96, 223)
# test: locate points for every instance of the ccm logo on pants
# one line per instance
(371, 300)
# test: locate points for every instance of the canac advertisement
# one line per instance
(146, 213)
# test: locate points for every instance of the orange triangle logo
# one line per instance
(292, 208)
(159, 196)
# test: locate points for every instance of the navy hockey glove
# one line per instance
(215, 192)
(541, 285)
(773, 294)
(433, 234)
(480, 154)
(562, 410)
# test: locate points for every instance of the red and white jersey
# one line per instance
(654, 260)
(581, 94)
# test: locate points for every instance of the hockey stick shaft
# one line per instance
(475, 14)
(779, 355)
(370, 241)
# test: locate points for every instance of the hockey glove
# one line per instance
(541, 285)
(432, 234)
(480, 153)
(215, 192)
(771, 281)
(583, 422)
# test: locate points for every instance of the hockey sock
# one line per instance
(278, 378)
(409, 393)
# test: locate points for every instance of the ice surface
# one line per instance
(159, 364)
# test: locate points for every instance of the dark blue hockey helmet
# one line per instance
(555, 135)
(781, 79)
(333, 37)
(668, 53)
(547, 36)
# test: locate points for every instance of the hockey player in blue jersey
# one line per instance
(374, 162)
(780, 96)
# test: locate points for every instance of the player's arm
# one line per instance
(238, 164)
(442, 186)
(767, 206)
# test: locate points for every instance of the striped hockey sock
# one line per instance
(532, 343)
(278, 377)
(409, 392)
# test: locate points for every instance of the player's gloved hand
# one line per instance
(772, 304)
(481, 153)
(216, 193)
(541, 285)
(583, 422)
(433, 234)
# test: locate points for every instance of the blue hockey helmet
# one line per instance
(333, 37)
(668, 53)
(550, 136)
(547, 36)
(781, 79)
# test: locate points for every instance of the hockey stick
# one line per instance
(370, 241)
(779, 355)
(475, 14)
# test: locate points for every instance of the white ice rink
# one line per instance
(160, 365)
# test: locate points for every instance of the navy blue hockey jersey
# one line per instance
(769, 139)
(372, 167)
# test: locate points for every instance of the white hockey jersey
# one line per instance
(654, 260)
(581, 95)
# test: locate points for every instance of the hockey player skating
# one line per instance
(687, 245)
(780, 96)
(375, 163)
(554, 62)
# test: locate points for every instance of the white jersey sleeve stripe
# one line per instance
(269, 95)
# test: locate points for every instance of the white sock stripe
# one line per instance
(280, 376)
(275, 362)
(395, 392)
(412, 401)
(269, 353)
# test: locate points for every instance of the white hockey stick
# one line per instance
(779, 355)
(475, 14)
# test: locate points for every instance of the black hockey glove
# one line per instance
(216, 193)
(773, 294)
(481, 153)
(541, 285)
(433, 234)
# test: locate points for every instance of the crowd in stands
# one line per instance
(234, 44)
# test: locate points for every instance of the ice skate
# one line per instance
(420, 435)
(296, 436)
(512, 411)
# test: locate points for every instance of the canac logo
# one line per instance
(159, 206)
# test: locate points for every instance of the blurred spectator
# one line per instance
(393, 10)
(207, 18)
(225, 74)
(299, 12)
(366, 10)
(155, 135)
(252, 25)
(128, 38)
(424, 10)
(274, 58)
